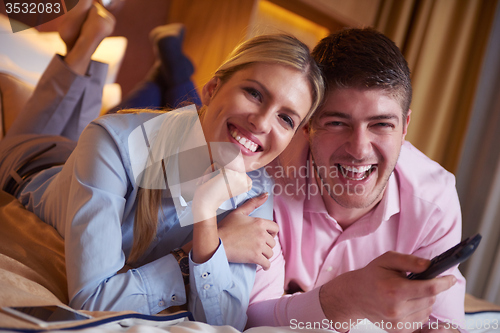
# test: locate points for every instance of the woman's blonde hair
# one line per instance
(279, 49)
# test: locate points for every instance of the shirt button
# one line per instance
(161, 303)
(173, 298)
(204, 275)
(206, 287)
(329, 269)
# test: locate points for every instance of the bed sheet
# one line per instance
(32, 272)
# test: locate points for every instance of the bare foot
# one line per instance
(98, 24)
(72, 22)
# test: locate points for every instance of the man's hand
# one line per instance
(381, 292)
(248, 239)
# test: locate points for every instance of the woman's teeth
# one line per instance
(356, 173)
(248, 144)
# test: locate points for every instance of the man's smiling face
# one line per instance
(355, 140)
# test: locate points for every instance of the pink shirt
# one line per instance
(419, 214)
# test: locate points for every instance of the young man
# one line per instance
(358, 206)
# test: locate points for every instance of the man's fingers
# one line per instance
(419, 307)
(402, 262)
(252, 204)
(433, 287)
(409, 316)
(417, 320)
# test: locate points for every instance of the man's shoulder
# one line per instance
(422, 177)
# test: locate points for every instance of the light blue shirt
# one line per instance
(91, 201)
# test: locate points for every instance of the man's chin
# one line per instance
(353, 203)
(351, 200)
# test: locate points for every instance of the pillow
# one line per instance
(32, 262)
(474, 305)
(14, 94)
(27, 53)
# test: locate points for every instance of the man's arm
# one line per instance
(379, 292)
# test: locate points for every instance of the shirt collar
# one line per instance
(313, 199)
(390, 204)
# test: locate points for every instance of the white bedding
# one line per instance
(483, 322)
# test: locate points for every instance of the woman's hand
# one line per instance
(248, 239)
(208, 196)
(214, 190)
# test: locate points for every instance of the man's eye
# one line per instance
(385, 125)
(334, 123)
(288, 120)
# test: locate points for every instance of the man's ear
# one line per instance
(306, 130)
(209, 90)
(406, 123)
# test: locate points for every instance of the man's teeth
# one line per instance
(356, 173)
(248, 144)
(357, 170)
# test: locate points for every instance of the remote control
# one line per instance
(454, 256)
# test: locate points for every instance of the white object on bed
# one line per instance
(483, 322)
(27, 53)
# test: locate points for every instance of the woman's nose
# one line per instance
(261, 121)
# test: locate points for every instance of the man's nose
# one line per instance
(359, 145)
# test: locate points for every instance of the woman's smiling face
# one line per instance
(258, 109)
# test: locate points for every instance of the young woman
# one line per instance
(126, 194)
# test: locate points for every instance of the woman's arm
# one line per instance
(208, 197)
(220, 290)
(99, 223)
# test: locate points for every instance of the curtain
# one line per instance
(453, 50)
(478, 177)
(443, 42)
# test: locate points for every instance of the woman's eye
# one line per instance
(254, 93)
(288, 120)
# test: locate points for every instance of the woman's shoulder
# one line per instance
(126, 121)
(123, 123)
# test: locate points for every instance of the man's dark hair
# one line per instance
(364, 58)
